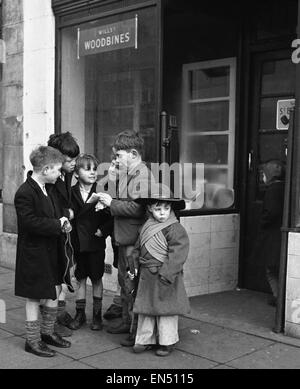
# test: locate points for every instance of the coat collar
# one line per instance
(77, 194)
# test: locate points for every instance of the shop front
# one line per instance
(200, 81)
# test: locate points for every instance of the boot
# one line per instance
(97, 320)
(97, 314)
(80, 317)
(113, 312)
(78, 320)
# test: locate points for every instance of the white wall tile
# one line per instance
(223, 239)
(293, 268)
(196, 224)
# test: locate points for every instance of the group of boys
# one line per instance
(45, 206)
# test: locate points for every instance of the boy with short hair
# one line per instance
(68, 146)
(89, 248)
(134, 178)
(40, 227)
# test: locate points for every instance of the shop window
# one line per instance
(111, 88)
(208, 130)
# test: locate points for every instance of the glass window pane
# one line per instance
(212, 116)
(268, 107)
(278, 77)
(209, 83)
(105, 93)
(208, 149)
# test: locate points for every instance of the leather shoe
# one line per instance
(164, 351)
(64, 318)
(55, 340)
(78, 321)
(129, 341)
(113, 312)
(123, 328)
(140, 348)
(40, 349)
(61, 330)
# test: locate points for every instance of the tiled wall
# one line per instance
(292, 309)
(212, 265)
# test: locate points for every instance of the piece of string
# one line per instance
(70, 261)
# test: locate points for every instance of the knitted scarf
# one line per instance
(154, 240)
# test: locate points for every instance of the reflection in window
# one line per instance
(109, 92)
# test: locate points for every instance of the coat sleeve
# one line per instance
(178, 243)
(133, 258)
(127, 208)
(29, 221)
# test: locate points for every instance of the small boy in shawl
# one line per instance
(160, 253)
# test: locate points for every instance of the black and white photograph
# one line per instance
(150, 187)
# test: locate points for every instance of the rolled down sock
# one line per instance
(80, 304)
(33, 331)
(49, 318)
(61, 307)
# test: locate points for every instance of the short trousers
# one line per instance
(90, 264)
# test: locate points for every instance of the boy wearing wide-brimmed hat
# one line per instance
(161, 251)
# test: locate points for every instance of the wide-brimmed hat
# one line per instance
(161, 192)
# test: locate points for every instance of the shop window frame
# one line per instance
(186, 68)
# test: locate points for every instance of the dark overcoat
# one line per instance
(63, 193)
(271, 222)
(86, 222)
(38, 269)
(155, 298)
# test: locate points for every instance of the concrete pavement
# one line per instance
(209, 338)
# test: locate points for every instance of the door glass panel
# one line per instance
(278, 77)
(104, 93)
(268, 108)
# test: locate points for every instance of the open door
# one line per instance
(273, 76)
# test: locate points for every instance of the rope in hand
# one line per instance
(70, 260)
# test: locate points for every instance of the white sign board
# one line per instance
(283, 113)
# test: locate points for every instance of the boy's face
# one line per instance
(112, 171)
(160, 211)
(69, 164)
(51, 173)
(125, 158)
(87, 175)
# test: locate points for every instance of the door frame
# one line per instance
(251, 89)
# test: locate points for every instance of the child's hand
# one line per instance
(105, 199)
(99, 233)
(99, 206)
(63, 220)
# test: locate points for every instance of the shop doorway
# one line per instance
(273, 79)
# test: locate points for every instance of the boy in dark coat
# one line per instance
(134, 177)
(38, 264)
(89, 245)
(161, 251)
(68, 146)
